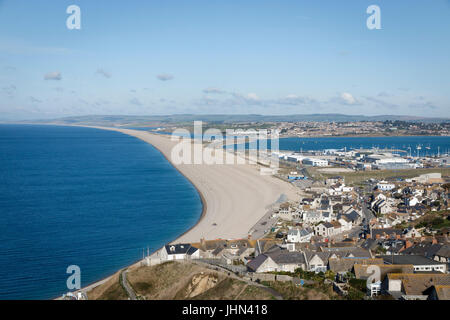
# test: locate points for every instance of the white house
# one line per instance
(324, 229)
(262, 263)
(287, 213)
(299, 235)
(179, 252)
(289, 261)
(312, 217)
(346, 224)
(420, 263)
(316, 162)
(377, 199)
(385, 186)
(385, 207)
(413, 201)
(411, 232)
(318, 261)
(339, 189)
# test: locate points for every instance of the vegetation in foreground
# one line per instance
(179, 281)
(111, 290)
(191, 281)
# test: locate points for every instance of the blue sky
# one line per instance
(267, 57)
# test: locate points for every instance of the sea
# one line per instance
(406, 145)
(411, 145)
(72, 196)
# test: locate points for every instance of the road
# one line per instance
(263, 226)
(266, 223)
(126, 285)
(367, 213)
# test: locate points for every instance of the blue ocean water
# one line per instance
(409, 145)
(86, 197)
(428, 145)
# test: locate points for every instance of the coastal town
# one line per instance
(367, 224)
(361, 128)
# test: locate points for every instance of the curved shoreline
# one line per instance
(202, 198)
(229, 193)
(234, 197)
(136, 263)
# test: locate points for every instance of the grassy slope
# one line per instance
(111, 290)
(172, 280)
(317, 291)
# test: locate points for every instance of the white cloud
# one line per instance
(381, 103)
(9, 90)
(104, 73)
(136, 102)
(253, 96)
(34, 100)
(295, 100)
(348, 98)
(165, 77)
(213, 90)
(53, 76)
(424, 106)
(9, 69)
(384, 94)
(22, 48)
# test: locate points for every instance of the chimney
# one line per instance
(203, 242)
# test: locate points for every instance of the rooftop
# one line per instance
(408, 259)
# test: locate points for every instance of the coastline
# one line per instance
(167, 139)
(210, 191)
(217, 185)
(362, 136)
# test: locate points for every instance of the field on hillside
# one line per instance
(111, 290)
(357, 177)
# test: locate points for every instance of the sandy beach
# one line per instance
(235, 197)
